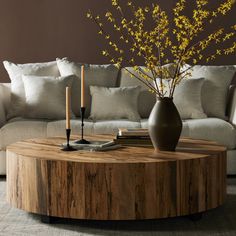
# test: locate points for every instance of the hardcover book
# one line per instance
(133, 132)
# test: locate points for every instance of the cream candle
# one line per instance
(82, 87)
(68, 105)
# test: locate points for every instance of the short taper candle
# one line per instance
(82, 87)
(68, 101)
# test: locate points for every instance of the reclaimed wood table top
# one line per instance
(49, 148)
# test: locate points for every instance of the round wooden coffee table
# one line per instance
(125, 184)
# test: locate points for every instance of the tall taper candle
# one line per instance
(82, 87)
(68, 101)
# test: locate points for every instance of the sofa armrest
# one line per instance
(232, 105)
(4, 102)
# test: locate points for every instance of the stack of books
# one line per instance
(133, 137)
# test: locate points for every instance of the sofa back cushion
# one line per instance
(146, 99)
(215, 88)
(95, 75)
(15, 72)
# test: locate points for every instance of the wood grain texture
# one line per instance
(129, 183)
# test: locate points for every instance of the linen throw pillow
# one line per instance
(15, 72)
(146, 99)
(114, 103)
(46, 96)
(95, 75)
(215, 88)
(187, 98)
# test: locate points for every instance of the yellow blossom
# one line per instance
(178, 40)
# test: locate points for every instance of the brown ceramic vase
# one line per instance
(164, 125)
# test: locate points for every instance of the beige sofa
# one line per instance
(17, 129)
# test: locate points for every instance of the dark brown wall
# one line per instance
(41, 30)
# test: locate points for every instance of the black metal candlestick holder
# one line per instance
(68, 147)
(82, 140)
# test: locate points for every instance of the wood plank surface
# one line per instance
(124, 184)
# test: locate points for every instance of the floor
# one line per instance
(220, 221)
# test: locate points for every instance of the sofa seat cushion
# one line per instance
(21, 129)
(144, 125)
(209, 129)
(57, 128)
(214, 129)
(111, 126)
(18, 129)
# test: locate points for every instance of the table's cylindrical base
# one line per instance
(116, 191)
